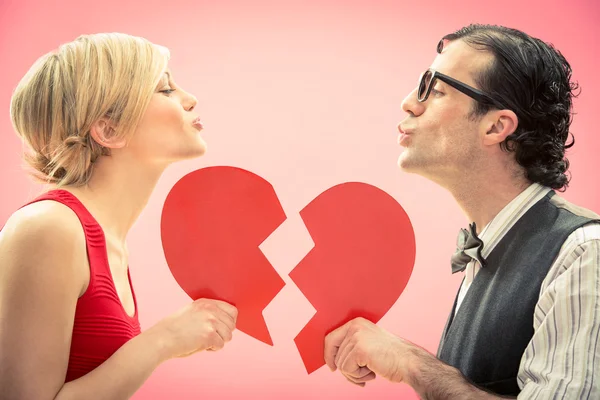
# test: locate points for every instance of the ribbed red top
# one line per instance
(101, 324)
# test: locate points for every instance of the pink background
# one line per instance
(307, 95)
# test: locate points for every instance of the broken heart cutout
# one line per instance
(362, 260)
(215, 218)
(212, 223)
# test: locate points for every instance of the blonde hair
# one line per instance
(106, 75)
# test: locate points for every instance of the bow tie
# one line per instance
(468, 247)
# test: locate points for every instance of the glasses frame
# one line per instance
(470, 91)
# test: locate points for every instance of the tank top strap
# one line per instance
(94, 235)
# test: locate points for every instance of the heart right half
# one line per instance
(362, 260)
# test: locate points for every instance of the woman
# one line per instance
(102, 118)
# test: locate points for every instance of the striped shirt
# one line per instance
(562, 360)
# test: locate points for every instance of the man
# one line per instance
(489, 122)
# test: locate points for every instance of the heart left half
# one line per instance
(212, 223)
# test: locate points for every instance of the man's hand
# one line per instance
(361, 350)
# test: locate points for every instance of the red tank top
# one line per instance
(101, 324)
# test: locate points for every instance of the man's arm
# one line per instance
(563, 357)
(432, 379)
(361, 350)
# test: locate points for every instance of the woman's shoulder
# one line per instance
(43, 220)
(44, 236)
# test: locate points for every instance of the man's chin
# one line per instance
(405, 163)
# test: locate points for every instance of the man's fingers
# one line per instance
(223, 330)
(360, 377)
(225, 318)
(353, 368)
(344, 352)
(354, 381)
(215, 342)
(230, 310)
(348, 364)
(360, 373)
(332, 343)
(369, 377)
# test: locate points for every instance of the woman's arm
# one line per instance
(202, 325)
(43, 271)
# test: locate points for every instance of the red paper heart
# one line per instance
(215, 218)
(362, 260)
(213, 221)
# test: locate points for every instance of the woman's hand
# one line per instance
(202, 325)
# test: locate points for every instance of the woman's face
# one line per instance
(169, 130)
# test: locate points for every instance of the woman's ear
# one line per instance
(103, 132)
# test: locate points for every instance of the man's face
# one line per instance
(440, 140)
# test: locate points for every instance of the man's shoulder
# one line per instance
(562, 203)
(589, 232)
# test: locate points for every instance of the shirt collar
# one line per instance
(495, 230)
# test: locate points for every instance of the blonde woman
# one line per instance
(102, 118)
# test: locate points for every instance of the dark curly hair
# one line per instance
(533, 79)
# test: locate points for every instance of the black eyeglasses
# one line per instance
(428, 80)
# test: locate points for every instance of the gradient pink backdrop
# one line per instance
(307, 95)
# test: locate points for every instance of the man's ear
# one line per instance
(103, 132)
(498, 126)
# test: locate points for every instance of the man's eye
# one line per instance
(436, 92)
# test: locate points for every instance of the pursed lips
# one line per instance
(197, 123)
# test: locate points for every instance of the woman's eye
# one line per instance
(167, 92)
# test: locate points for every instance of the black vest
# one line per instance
(494, 324)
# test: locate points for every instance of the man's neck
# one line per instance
(482, 198)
